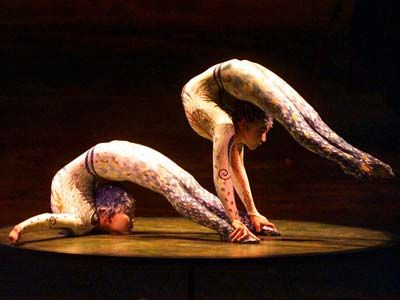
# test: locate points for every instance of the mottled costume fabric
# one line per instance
(73, 188)
(207, 100)
(142, 165)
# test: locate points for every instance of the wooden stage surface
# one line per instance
(179, 238)
(173, 258)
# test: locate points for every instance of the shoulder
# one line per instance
(225, 130)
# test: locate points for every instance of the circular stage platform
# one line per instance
(178, 238)
(174, 258)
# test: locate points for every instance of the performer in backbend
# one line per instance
(234, 104)
(78, 207)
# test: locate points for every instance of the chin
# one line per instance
(252, 147)
(255, 146)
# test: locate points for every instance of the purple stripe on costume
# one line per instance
(221, 85)
(217, 78)
(91, 155)
(89, 163)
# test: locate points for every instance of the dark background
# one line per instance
(74, 74)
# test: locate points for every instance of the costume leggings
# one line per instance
(191, 200)
(123, 161)
(256, 84)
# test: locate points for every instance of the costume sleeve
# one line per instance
(45, 221)
(241, 181)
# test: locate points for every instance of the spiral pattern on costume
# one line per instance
(52, 221)
(224, 174)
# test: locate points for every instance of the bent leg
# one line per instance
(187, 205)
(247, 82)
(202, 207)
(210, 202)
(315, 121)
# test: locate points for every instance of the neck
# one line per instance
(238, 138)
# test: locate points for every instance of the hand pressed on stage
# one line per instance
(259, 221)
(242, 233)
(79, 205)
(234, 104)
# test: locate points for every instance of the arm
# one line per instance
(242, 187)
(46, 221)
(222, 140)
(223, 134)
(240, 179)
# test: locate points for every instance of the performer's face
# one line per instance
(254, 134)
(121, 223)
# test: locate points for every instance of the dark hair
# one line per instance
(250, 113)
(114, 200)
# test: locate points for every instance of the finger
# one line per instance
(252, 235)
(234, 232)
(257, 226)
(244, 235)
(270, 231)
(269, 224)
(249, 235)
(237, 234)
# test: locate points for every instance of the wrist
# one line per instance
(254, 214)
(236, 222)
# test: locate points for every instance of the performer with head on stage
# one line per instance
(234, 104)
(78, 207)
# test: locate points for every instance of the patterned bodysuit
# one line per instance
(207, 97)
(73, 188)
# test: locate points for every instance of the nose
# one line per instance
(264, 137)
